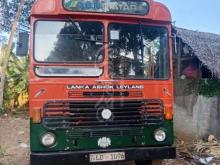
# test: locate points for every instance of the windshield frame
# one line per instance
(68, 62)
(168, 50)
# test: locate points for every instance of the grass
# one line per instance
(1, 152)
(14, 112)
(2, 110)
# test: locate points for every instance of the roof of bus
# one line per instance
(157, 11)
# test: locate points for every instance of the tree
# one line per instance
(17, 81)
(140, 51)
(13, 15)
(71, 47)
(7, 52)
(8, 9)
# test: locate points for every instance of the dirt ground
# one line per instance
(14, 140)
(14, 144)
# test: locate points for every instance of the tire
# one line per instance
(148, 162)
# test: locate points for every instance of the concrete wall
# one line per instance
(196, 116)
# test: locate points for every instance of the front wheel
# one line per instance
(148, 162)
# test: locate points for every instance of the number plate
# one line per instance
(104, 157)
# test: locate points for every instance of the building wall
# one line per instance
(196, 116)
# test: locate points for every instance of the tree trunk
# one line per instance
(7, 52)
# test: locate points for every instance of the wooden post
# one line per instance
(8, 50)
(179, 59)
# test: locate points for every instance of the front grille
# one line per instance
(87, 114)
(86, 134)
(105, 94)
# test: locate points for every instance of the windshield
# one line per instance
(69, 41)
(138, 52)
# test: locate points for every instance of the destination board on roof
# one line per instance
(135, 7)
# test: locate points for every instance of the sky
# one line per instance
(201, 15)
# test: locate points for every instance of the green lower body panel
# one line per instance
(87, 139)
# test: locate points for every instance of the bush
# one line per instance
(16, 86)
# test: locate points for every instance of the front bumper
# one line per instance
(69, 158)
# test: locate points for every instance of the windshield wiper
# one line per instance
(88, 40)
(81, 34)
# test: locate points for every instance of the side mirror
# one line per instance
(22, 44)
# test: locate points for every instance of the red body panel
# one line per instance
(45, 89)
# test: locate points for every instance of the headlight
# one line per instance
(48, 139)
(160, 135)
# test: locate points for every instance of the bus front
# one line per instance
(101, 86)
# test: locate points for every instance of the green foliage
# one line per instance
(8, 11)
(17, 81)
(2, 110)
(1, 152)
(209, 88)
